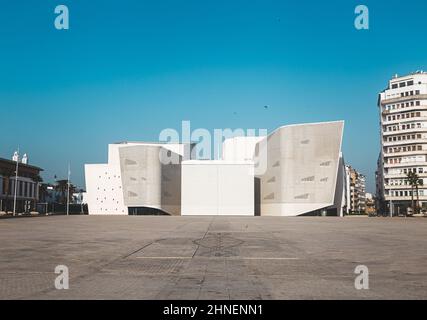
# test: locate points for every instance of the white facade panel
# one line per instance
(104, 189)
(217, 188)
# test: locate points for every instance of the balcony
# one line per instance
(403, 142)
(397, 187)
(402, 99)
(402, 175)
(405, 164)
(415, 130)
(404, 153)
(405, 120)
(404, 109)
(403, 198)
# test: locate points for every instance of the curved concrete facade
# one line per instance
(302, 168)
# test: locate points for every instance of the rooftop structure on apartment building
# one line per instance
(295, 170)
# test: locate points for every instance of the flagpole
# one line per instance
(68, 190)
(16, 184)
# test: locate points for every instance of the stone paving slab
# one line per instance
(135, 257)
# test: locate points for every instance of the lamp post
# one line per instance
(68, 190)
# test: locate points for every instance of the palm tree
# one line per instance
(414, 181)
(61, 187)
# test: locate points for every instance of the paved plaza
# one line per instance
(160, 257)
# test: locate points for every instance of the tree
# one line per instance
(414, 181)
(61, 187)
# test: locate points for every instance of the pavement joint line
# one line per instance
(164, 257)
(229, 258)
(143, 247)
(204, 236)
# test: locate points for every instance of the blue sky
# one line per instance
(125, 70)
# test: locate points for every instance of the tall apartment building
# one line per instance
(403, 117)
(355, 191)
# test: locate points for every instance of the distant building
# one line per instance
(403, 116)
(79, 197)
(370, 203)
(27, 191)
(355, 191)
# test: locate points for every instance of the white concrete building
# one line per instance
(295, 170)
(403, 113)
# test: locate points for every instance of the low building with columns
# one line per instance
(27, 191)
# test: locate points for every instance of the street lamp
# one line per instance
(68, 190)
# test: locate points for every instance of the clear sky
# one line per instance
(125, 70)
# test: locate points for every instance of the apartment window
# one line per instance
(419, 148)
(410, 83)
(419, 136)
(402, 94)
(412, 93)
(417, 92)
(394, 86)
(418, 114)
(402, 84)
(417, 103)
